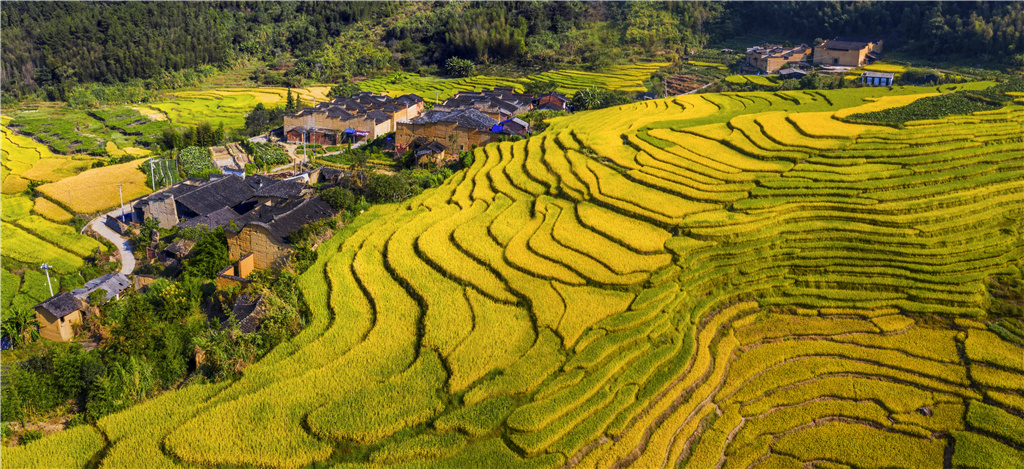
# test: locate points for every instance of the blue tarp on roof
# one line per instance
(349, 131)
(498, 128)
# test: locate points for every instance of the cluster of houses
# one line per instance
(261, 215)
(466, 120)
(838, 54)
(351, 118)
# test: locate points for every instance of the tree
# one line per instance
(540, 87)
(344, 89)
(20, 325)
(209, 256)
(290, 103)
(339, 198)
(257, 120)
(457, 67)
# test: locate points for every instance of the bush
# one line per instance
(339, 198)
(459, 68)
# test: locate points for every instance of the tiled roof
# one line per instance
(61, 304)
(378, 116)
(113, 284)
(836, 44)
(470, 118)
(217, 194)
(282, 189)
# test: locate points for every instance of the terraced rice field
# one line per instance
(34, 229)
(228, 106)
(720, 280)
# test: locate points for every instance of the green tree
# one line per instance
(209, 256)
(457, 67)
(20, 325)
(343, 89)
(339, 198)
(257, 120)
(290, 102)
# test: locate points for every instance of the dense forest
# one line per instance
(56, 45)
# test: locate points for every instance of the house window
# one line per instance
(835, 61)
(462, 147)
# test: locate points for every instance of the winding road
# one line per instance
(127, 259)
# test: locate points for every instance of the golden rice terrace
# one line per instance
(710, 281)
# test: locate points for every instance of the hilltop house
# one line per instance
(350, 118)
(846, 52)
(769, 58)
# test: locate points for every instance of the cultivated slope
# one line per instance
(713, 280)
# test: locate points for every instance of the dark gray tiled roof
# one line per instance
(217, 194)
(470, 118)
(285, 220)
(433, 147)
(847, 44)
(247, 311)
(378, 116)
(113, 284)
(217, 218)
(61, 304)
(282, 189)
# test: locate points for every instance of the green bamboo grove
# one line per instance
(721, 280)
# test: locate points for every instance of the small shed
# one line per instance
(877, 78)
(792, 73)
(58, 314)
(432, 151)
(248, 310)
(179, 249)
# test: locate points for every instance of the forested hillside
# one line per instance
(52, 46)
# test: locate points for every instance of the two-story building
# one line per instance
(846, 52)
(350, 118)
(769, 58)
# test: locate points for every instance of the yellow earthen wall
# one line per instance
(267, 251)
(52, 328)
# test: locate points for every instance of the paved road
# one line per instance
(127, 259)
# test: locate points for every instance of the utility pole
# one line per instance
(46, 267)
(437, 97)
(121, 195)
(152, 175)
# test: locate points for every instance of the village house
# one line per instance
(430, 153)
(769, 58)
(59, 314)
(267, 232)
(351, 118)
(499, 103)
(791, 73)
(846, 52)
(194, 198)
(552, 101)
(457, 130)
